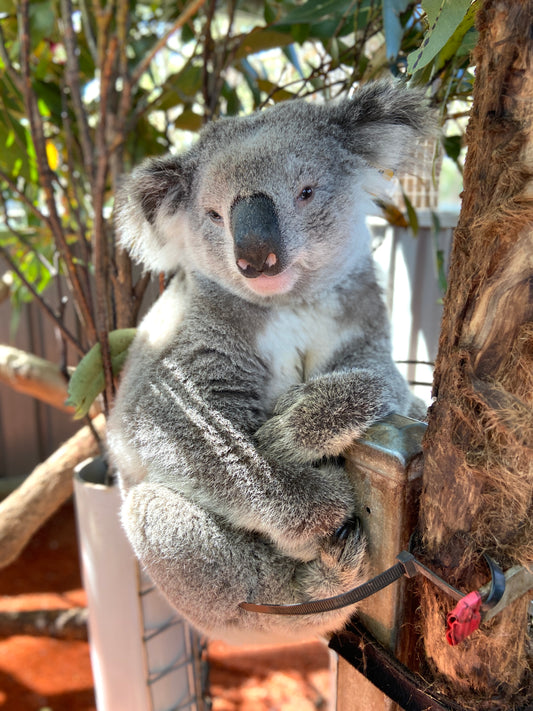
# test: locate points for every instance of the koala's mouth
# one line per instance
(265, 285)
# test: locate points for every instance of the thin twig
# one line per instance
(186, 15)
(45, 172)
(25, 199)
(100, 244)
(89, 34)
(24, 240)
(10, 69)
(72, 184)
(42, 303)
(123, 283)
(209, 57)
(72, 75)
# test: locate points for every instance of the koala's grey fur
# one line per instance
(238, 389)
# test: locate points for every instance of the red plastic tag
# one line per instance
(464, 619)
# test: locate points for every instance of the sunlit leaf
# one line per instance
(52, 154)
(444, 18)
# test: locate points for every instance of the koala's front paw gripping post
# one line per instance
(464, 619)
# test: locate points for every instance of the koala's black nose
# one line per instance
(256, 236)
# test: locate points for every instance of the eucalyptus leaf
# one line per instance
(392, 26)
(444, 17)
(259, 40)
(315, 10)
(88, 381)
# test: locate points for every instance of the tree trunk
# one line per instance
(478, 473)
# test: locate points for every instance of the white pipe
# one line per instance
(143, 654)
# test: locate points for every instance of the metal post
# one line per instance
(386, 469)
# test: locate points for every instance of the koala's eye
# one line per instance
(214, 217)
(306, 194)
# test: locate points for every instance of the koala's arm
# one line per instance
(191, 417)
(322, 416)
(357, 387)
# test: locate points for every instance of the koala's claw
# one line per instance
(351, 525)
(346, 547)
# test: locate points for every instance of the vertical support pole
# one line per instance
(144, 656)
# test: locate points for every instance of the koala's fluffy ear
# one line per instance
(149, 207)
(383, 123)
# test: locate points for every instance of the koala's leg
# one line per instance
(206, 568)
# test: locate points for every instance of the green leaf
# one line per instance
(300, 32)
(189, 121)
(88, 381)
(275, 93)
(452, 146)
(456, 45)
(392, 26)
(439, 254)
(42, 21)
(181, 87)
(412, 217)
(259, 40)
(444, 18)
(315, 10)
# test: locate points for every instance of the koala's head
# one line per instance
(273, 203)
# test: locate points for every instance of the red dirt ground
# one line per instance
(45, 674)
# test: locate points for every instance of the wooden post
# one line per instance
(478, 471)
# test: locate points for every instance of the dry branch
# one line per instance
(43, 492)
(68, 624)
(39, 378)
(34, 376)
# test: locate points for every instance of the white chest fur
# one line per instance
(298, 342)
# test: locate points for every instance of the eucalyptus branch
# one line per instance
(25, 199)
(45, 172)
(100, 244)
(73, 83)
(89, 34)
(24, 240)
(8, 64)
(184, 17)
(208, 57)
(227, 53)
(47, 309)
(72, 183)
(122, 277)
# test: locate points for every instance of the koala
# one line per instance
(266, 355)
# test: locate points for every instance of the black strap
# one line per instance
(328, 604)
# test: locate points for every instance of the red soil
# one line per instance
(38, 673)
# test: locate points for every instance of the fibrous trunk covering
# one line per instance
(478, 475)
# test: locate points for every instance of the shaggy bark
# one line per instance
(43, 492)
(478, 475)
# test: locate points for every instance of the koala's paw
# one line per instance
(342, 563)
(322, 417)
(348, 538)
